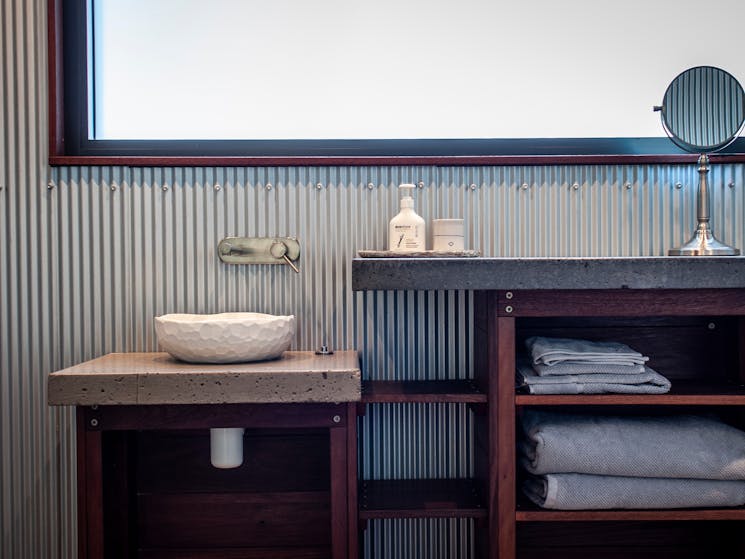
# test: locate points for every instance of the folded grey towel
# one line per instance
(572, 368)
(582, 491)
(550, 351)
(649, 382)
(673, 446)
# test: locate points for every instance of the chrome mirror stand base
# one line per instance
(703, 243)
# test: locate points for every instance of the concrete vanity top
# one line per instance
(651, 272)
(158, 378)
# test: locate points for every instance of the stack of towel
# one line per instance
(565, 366)
(603, 462)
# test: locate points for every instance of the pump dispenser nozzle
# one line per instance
(406, 232)
(406, 200)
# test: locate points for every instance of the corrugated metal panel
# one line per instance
(85, 265)
(34, 513)
(135, 243)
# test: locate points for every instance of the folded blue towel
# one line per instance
(648, 382)
(583, 491)
(674, 446)
(550, 351)
(593, 368)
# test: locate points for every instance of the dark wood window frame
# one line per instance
(69, 145)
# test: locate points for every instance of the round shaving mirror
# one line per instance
(703, 111)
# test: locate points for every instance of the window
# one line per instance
(384, 78)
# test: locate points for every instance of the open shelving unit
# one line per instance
(694, 336)
(421, 498)
(699, 346)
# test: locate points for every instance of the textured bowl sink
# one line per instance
(225, 337)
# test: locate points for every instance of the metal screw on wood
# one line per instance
(508, 295)
(336, 419)
(94, 422)
(711, 326)
(508, 308)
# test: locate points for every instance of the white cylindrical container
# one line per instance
(226, 447)
(447, 235)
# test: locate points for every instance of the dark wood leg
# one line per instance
(501, 432)
(90, 490)
(352, 510)
(741, 349)
(339, 505)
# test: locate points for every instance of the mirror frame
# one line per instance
(683, 77)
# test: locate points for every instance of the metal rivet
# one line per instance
(319, 186)
(165, 188)
(508, 294)
(94, 422)
(473, 187)
(628, 186)
(711, 326)
(268, 186)
(113, 188)
(508, 308)
(525, 186)
(217, 187)
(678, 186)
(50, 185)
(575, 186)
(420, 184)
(731, 184)
(336, 419)
(370, 185)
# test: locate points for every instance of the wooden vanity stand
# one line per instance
(686, 314)
(147, 489)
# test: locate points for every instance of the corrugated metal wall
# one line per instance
(86, 262)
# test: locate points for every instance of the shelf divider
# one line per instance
(427, 391)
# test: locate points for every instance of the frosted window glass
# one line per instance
(398, 69)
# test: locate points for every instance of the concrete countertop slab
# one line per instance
(158, 378)
(650, 272)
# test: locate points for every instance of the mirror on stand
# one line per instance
(703, 111)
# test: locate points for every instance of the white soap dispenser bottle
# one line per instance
(406, 231)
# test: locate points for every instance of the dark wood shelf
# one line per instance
(420, 498)
(428, 391)
(682, 393)
(305, 552)
(528, 512)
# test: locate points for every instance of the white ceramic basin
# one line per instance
(225, 337)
